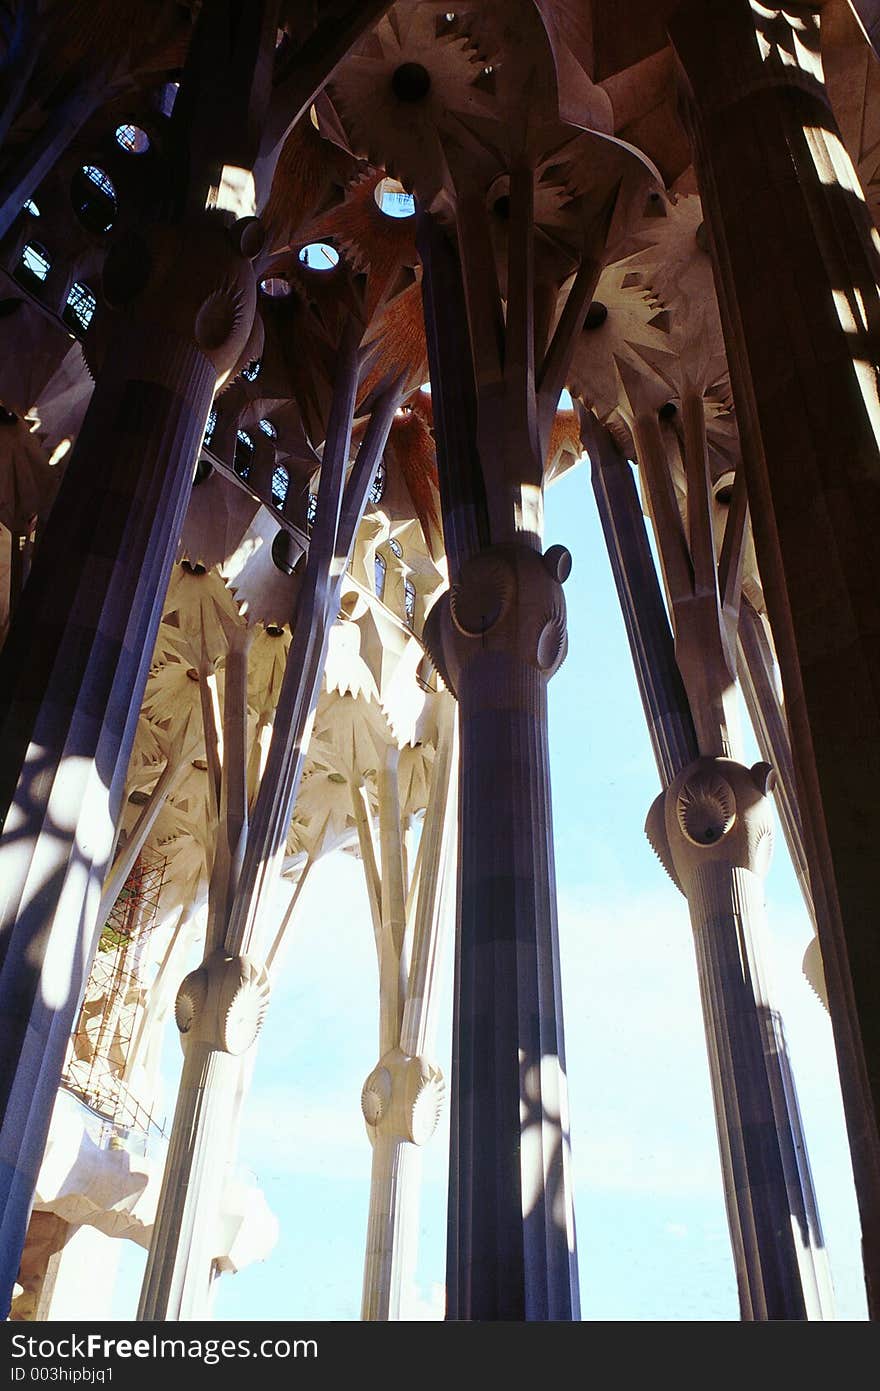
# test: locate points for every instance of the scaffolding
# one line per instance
(100, 1045)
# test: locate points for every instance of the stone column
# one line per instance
(219, 1011)
(667, 711)
(796, 267)
(497, 637)
(712, 830)
(74, 667)
(245, 873)
(739, 997)
(403, 1096)
(401, 1102)
(868, 12)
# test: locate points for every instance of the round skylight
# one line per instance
(393, 199)
(275, 286)
(319, 255)
(132, 139)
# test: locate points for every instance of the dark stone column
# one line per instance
(868, 12)
(73, 670)
(497, 637)
(667, 712)
(797, 268)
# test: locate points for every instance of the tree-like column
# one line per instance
(796, 266)
(75, 664)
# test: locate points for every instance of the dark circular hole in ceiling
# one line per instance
(411, 82)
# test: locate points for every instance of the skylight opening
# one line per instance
(252, 371)
(168, 97)
(80, 307)
(268, 429)
(34, 262)
(244, 454)
(132, 139)
(319, 255)
(275, 286)
(379, 572)
(280, 484)
(29, 206)
(211, 426)
(393, 199)
(94, 198)
(377, 487)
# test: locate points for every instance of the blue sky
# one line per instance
(651, 1225)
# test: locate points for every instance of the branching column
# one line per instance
(403, 1095)
(777, 1241)
(75, 664)
(713, 831)
(497, 637)
(665, 702)
(245, 874)
(797, 268)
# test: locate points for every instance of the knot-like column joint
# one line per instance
(222, 1004)
(193, 279)
(715, 812)
(712, 830)
(402, 1098)
(507, 599)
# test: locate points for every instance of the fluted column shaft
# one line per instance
(389, 1264)
(401, 1102)
(797, 269)
(511, 1255)
(518, 1262)
(712, 829)
(89, 629)
(403, 1096)
(247, 865)
(725, 1004)
(219, 1011)
(73, 672)
(651, 644)
(721, 902)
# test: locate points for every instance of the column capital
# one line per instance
(194, 279)
(508, 600)
(222, 1003)
(715, 812)
(402, 1098)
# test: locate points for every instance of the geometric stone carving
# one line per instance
(403, 1096)
(222, 1003)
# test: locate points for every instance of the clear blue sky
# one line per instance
(652, 1233)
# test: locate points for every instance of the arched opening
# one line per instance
(243, 457)
(280, 484)
(132, 139)
(80, 307)
(34, 264)
(94, 198)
